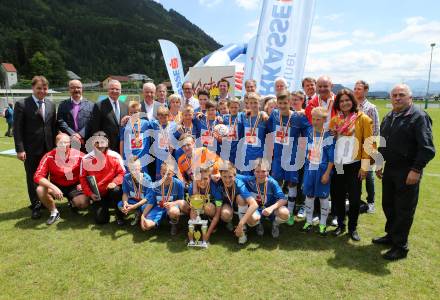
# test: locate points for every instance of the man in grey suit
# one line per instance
(34, 134)
(107, 115)
(74, 114)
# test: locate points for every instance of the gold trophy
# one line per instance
(197, 203)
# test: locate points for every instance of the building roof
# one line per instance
(119, 78)
(72, 75)
(9, 67)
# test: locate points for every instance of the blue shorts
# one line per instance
(131, 202)
(278, 172)
(259, 211)
(312, 186)
(156, 214)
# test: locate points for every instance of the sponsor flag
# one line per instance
(174, 65)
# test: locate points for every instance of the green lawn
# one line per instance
(76, 259)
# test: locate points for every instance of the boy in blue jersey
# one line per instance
(188, 125)
(135, 138)
(205, 186)
(317, 170)
(252, 127)
(236, 196)
(286, 127)
(135, 189)
(230, 142)
(269, 196)
(165, 199)
(206, 124)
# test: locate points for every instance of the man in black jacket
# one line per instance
(107, 115)
(74, 114)
(409, 147)
(34, 134)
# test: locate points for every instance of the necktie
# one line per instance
(75, 115)
(40, 108)
(117, 113)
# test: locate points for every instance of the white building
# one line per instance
(139, 77)
(9, 75)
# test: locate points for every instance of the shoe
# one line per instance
(339, 231)
(275, 230)
(395, 253)
(260, 229)
(315, 220)
(354, 235)
(371, 208)
(229, 226)
(191, 244)
(347, 205)
(53, 218)
(173, 229)
(204, 244)
(243, 239)
(36, 213)
(137, 217)
(301, 212)
(383, 240)
(307, 227)
(120, 221)
(334, 222)
(322, 230)
(291, 221)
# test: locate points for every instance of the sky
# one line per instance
(375, 40)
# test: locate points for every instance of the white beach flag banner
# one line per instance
(174, 65)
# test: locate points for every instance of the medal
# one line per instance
(231, 197)
(137, 190)
(165, 199)
(261, 199)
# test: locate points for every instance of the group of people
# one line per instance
(253, 160)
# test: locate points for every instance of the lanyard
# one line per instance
(137, 190)
(287, 125)
(232, 196)
(255, 125)
(170, 188)
(263, 199)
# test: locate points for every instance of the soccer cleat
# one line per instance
(307, 227)
(260, 229)
(291, 221)
(53, 218)
(371, 208)
(243, 239)
(322, 229)
(229, 226)
(301, 212)
(315, 220)
(275, 230)
(335, 222)
(173, 229)
(204, 244)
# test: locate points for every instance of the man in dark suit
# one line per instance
(107, 115)
(74, 114)
(34, 133)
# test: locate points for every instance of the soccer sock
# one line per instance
(292, 191)
(310, 206)
(278, 221)
(54, 212)
(242, 211)
(325, 207)
(291, 205)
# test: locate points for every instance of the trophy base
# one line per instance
(198, 244)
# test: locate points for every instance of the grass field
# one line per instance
(75, 259)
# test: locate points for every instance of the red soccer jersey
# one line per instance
(106, 167)
(314, 102)
(63, 170)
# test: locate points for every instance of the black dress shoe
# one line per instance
(338, 231)
(395, 253)
(53, 219)
(120, 221)
(354, 235)
(36, 213)
(383, 240)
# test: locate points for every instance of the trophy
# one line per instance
(197, 202)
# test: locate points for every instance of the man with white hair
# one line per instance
(409, 147)
(148, 105)
(280, 85)
(107, 115)
(161, 94)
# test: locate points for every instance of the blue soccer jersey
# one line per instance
(266, 194)
(215, 194)
(136, 140)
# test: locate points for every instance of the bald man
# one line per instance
(409, 147)
(74, 114)
(324, 98)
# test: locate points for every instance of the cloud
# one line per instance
(372, 65)
(253, 28)
(210, 3)
(333, 17)
(329, 46)
(321, 34)
(416, 30)
(363, 34)
(248, 4)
